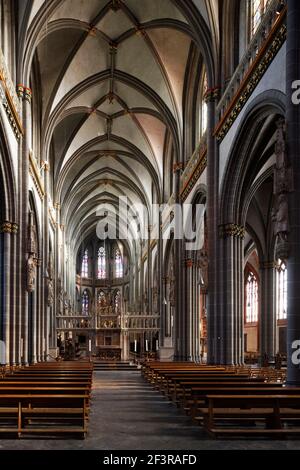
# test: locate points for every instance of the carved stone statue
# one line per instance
(31, 273)
(50, 289)
(281, 218)
(283, 184)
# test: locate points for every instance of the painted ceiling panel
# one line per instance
(173, 57)
(114, 23)
(94, 126)
(84, 10)
(53, 52)
(91, 58)
(147, 10)
(126, 128)
(110, 107)
(135, 58)
(133, 98)
(91, 96)
(155, 131)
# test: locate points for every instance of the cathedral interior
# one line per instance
(149, 219)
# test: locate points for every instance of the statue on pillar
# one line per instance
(31, 273)
(32, 260)
(50, 289)
(283, 184)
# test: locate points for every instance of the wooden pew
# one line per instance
(273, 411)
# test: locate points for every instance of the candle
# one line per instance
(146, 345)
(90, 345)
(135, 345)
(157, 345)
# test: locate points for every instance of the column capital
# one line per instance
(8, 227)
(212, 94)
(24, 93)
(177, 167)
(232, 230)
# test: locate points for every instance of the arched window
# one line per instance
(251, 298)
(85, 264)
(118, 264)
(257, 11)
(85, 302)
(117, 301)
(281, 290)
(101, 263)
(203, 120)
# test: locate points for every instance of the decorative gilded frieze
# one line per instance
(260, 65)
(194, 176)
(232, 230)
(9, 98)
(36, 176)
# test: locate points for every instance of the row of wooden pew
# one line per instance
(229, 401)
(46, 399)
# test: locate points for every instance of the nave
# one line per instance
(127, 413)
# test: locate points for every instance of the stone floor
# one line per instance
(127, 414)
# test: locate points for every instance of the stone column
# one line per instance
(24, 213)
(179, 321)
(189, 310)
(293, 142)
(229, 342)
(267, 310)
(7, 229)
(213, 320)
(45, 260)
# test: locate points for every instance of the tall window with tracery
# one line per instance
(251, 298)
(118, 264)
(203, 122)
(85, 264)
(101, 263)
(257, 11)
(85, 302)
(117, 301)
(281, 291)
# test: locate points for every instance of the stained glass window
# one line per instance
(85, 302)
(204, 106)
(257, 10)
(101, 263)
(118, 264)
(251, 299)
(85, 265)
(281, 289)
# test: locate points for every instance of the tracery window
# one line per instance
(85, 264)
(204, 106)
(281, 290)
(251, 298)
(257, 11)
(85, 302)
(118, 264)
(101, 263)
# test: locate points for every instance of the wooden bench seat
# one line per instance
(274, 411)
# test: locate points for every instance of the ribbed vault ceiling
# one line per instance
(112, 77)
